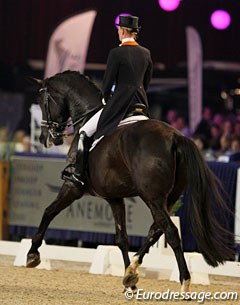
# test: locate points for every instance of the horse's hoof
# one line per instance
(33, 260)
(130, 280)
(185, 287)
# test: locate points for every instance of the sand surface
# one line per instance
(71, 284)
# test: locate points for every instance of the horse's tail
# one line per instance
(214, 242)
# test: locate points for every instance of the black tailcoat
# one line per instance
(129, 68)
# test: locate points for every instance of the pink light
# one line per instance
(169, 5)
(117, 18)
(220, 19)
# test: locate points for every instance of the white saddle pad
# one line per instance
(130, 120)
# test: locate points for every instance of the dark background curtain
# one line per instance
(26, 25)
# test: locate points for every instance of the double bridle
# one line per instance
(55, 129)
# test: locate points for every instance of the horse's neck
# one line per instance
(83, 97)
(79, 111)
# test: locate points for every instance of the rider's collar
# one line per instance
(129, 41)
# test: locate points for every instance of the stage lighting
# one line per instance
(169, 5)
(220, 19)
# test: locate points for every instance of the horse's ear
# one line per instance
(37, 83)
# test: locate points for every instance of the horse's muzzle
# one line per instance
(45, 139)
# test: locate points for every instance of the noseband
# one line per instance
(55, 129)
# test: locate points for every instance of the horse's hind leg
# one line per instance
(163, 223)
(66, 196)
(173, 239)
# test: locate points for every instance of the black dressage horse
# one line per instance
(149, 159)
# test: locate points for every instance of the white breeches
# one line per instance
(90, 126)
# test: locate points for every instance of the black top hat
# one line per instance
(130, 22)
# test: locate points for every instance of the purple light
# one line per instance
(169, 5)
(117, 18)
(220, 19)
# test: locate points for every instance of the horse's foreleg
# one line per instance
(118, 209)
(66, 196)
(153, 236)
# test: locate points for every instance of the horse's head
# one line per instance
(55, 113)
(67, 94)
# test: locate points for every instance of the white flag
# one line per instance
(194, 64)
(68, 45)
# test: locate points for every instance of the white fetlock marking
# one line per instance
(134, 264)
(185, 286)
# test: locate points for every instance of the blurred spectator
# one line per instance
(235, 144)
(202, 144)
(19, 135)
(6, 147)
(22, 141)
(203, 128)
(226, 137)
(216, 133)
(227, 128)
(237, 128)
(218, 119)
(225, 144)
(233, 151)
(171, 116)
(180, 124)
(3, 134)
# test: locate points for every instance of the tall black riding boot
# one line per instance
(81, 159)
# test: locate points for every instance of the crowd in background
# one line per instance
(216, 135)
